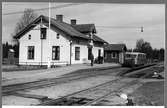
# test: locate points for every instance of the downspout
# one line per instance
(41, 41)
(70, 50)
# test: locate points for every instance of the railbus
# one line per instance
(134, 59)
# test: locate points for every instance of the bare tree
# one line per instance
(28, 16)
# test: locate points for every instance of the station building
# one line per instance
(63, 43)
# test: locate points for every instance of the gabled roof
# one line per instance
(85, 28)
(115, 47)
(98, 39)
(72, 31)
(61, 25)
(67, 28)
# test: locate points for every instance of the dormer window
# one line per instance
(29, 37)
(58, 36)
(43, 33)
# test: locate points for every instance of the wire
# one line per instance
(118, 27)
(121, 27)
(41, 9)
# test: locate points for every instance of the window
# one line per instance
(128, 56)
(29, 37)
(77, 53)
(58, 36)
(43, 33)
(56, 53)
(134, 56)
(30, 52)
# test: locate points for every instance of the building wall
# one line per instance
(119, 59)
(25, 42)
(109, 57)
(51, 40)
(84, 52)
(46, 47)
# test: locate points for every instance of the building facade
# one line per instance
(63, 43)
(114, 53)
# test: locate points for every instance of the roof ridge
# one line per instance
(64, 26)
(85, 24)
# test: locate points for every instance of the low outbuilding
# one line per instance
(114, 53)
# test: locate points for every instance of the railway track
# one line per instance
(90, 96)
(12, 89)
(96, 94)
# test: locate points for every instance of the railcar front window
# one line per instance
(128, 56)
(134, 56)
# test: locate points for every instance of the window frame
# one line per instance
(43, 33)
(58, 36)
(56, 53)
(77, 53)
(29, 37)
(31, 52)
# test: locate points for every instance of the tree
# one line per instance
(16, 49)
(5, 49)
(155, 53)
(139, 45)
(144, 47)
(28, 16)
(161, 54)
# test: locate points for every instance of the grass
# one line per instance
(151, 93)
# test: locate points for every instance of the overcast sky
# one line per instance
(125, 20)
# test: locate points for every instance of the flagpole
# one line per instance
(49, 55)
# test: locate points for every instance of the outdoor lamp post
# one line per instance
(91, 42)
(90, 46)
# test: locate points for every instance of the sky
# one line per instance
(115, 23)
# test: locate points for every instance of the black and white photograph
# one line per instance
(83, 54)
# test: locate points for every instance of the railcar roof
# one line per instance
(134, 53)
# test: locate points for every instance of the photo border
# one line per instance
(94, 1)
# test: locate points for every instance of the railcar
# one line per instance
(134, 59)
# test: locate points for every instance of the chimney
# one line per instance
(73, 21)
(59, 18)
